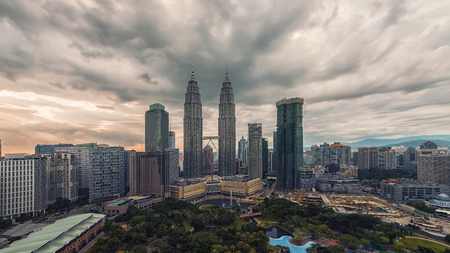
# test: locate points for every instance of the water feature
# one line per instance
(284, 241)
(276, 232)
(225, 203)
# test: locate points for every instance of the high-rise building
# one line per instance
(428, 148)
(387, 158)
(328, 154)
(149, 173)
(156, 128)
(227, 130)
(61, 177)
(275, 153)
(255, 169)
(107, 177)
(174, 164)
(355, 158)
(208, 160)
(410, 159)
(41, 149)
(242, 151)
(193, 130)
(269, 161)
(23, 186)
(289, 142)
(434, 168)
(172, 140)
(367, 157)
(265, 155)
(0, 147)
(84, 156)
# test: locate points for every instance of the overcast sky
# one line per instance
(86, 71)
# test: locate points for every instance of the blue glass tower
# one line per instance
(289, 142)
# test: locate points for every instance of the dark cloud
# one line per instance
(360, 65)
(145, 77)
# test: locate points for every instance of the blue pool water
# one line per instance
(284, 241)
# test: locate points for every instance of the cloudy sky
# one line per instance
(86, 71)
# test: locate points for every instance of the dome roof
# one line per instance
(443, 196)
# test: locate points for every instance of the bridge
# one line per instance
(249, 215)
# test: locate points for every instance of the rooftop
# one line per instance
(237, 179)
(54, 236)
(187, 182)
(144, 200)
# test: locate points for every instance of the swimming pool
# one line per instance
(284, 241)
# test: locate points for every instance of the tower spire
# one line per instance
(192, 75)
(226, 76)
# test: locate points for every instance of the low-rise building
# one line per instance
(243, 186)
(66, 235)
(338, 184)
(404, 191)
(188, 189)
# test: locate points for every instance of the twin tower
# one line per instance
(193, 130)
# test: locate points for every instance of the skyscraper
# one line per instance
(255, 169)
(171, 139)
(149, 172)
(193, 130)
(410, 159)
(368, 157)
(265, 155)
(227, 130)
(156, 128)
(289, 142)
(243, 151)
(208, 160)
(275, 153)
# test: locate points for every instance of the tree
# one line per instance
(202, 242)
(423, 249)
(447, 238)
(399, 247)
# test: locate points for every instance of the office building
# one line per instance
(410, 159)
(243, 151)
(227, 130)
(428, 148)
(193, 130)
(41, 149)
(355, 158)
(367, 157)
(149, 173)
(0, 147)
(107, 177)
(255, 169)
(265, 155)
(208, 160)
(84, 155)
(289, 141)
(188, 189)
(269, 161)
(61, 177)
(23, 188)
(174, 165)
(156, 128)
(275, 154)
(434, 168)
(402, 192)
(172, 140)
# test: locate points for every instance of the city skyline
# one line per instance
(85, 72)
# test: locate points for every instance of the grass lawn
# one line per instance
(238, 223)
(272, 248)
(206, 207)
(187, 225)
(412, 243)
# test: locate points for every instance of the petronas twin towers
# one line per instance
(193, 130)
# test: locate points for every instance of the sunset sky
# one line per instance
(86, 71)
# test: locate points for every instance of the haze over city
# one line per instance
(88, 70)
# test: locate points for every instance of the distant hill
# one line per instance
(412, 141)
